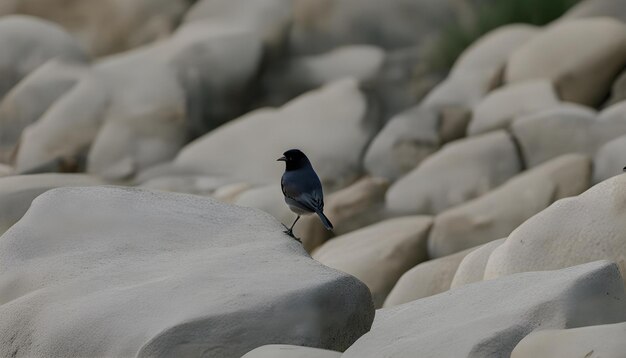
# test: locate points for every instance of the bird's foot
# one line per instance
(290, 233)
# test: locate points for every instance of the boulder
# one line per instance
(500, 108)
(27, 43)
(5, 170)
(18, 191)
(31, 97)
(406, 140)
(472, 267)
(593, 51)
(426, 279)
(487, 319)
(567, 129)
(287, 351)
(618, 90)
(609, 160)
(302, 123)
(460, 171)
(189, 184)
(571, 231)
(606, 341)
(106, 26)
(597, 8)
(378, 254)
(179, 275)
(497, 213)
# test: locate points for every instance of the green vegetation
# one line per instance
(488, 16)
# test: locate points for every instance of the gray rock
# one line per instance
(597, 8)
(460, 171)
(378, 254)
(472, 268)
(606, 341)
(609, 160)
(27, 43)
(426, 279)
(487, 319)
(18, 191)
(286, 351)
(571, 231)
(497, 213)
(500, 108)
(128, 272)
(618, 90)
(595, 49)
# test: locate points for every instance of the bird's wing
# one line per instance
(312, 199)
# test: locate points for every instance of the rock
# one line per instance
(460, 171)
(319, 26)
(231, 192)
(177, 274)
(605, 341)
(5, 170)
(618, 90)
(354, 207)
(487, 319)
(567, 129)
(283, 82)
(17, 192)
(597, 8)
(497, 213)
(378, 254)
(408, 139)
(426, 279)
(145, 123)
(189, 184)
(595, 50)
(106, 26)
(31, 97)
(571, 231)
(269, 18)
(502, 106)
(286, 351)
(302, 123)
(27, 43)
(67, 128)
(609, 160)
(472, 267)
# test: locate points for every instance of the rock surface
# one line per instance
(609, 160)
(571, 231)
(286, 351)
(17, 192)
(472, 268)
(606, 341)
(426, 279)
(487, 319)
(379, 254)
(460, 171)
(593, 51)
(497, 213)
(179, 275)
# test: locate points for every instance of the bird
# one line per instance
(302, 188)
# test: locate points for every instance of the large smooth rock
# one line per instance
(609, 160)
(472, 267)
(460, 171)
(106, 26)
(593, 51)
(408, 139)
(487, 319)
(330, 125)
(426, 279)
(618, 90)
(286, 351)
(500, 108)
(606, 341)
(567, 129)
(128, 272)
(17, 192)
(571, 231)
(497, 213)
(597, 8)
(378, 254)
(27, 43)
(31, 97)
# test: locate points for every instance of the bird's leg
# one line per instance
(290, 230)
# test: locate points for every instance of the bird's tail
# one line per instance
(325, 221)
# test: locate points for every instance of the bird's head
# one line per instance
(294, 159)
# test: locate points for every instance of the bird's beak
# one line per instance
(281, 159)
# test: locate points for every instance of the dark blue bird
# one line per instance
(302, 188)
